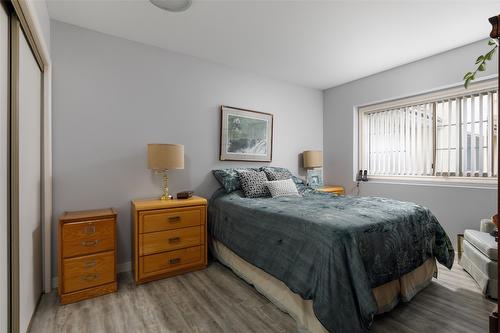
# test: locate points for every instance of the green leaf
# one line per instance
(467, 75)
(479, 59)
(491, 42)
(490, 54)
(482, 67)
(467, 83)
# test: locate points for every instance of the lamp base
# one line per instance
(165, 195)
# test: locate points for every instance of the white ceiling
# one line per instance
(317, 44)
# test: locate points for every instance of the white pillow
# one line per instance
(282, 188)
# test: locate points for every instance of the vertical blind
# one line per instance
(453, 136)
(399, 141)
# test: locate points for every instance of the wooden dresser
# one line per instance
(169, 237)
(87, 254)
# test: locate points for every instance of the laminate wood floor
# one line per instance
(216, 300)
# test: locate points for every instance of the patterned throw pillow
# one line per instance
(229, 178)
(253, 184)
(283, 188)
(277, 173)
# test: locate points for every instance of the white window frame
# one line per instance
(481, 85)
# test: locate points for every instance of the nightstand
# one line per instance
(169, 237)
(87, 255)
(332, 189)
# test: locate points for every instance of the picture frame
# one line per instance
(245, 135)
(315, 177)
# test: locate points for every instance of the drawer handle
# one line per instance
(91, 263)
(175, 261)
(174, 240)
(89, 230)
(174, 219)
(89, 277)
(90, 243)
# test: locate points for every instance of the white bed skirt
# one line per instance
(387, 295)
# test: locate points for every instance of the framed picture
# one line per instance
(315, 177)
(246, 135)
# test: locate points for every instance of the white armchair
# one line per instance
(479, 257)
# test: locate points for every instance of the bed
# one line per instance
(332, 262)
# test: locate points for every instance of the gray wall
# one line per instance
(456, 208)
(111, 97)
(42, 15)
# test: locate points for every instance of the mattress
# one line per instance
(387, 295)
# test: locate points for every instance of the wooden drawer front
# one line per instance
(80, 238)
(170, 240)
(172, 260)
(168, 219)
(88, 271)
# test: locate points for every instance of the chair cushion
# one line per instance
(482, 241)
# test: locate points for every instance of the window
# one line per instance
(449, 133)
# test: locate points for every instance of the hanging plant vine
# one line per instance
(481, 63)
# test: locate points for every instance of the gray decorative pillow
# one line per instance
(283, 188)
(229, 178)
(278, 174)
(253, 184)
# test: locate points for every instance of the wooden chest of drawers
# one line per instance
(169, 237)
(87, 254)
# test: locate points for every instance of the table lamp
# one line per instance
(162, 157)
(313, 159)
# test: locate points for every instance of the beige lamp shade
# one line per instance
(163, 156)
(313, 159)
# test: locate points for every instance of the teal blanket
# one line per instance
(330, 249)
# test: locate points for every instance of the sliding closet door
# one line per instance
(27, 87)
(4, 163)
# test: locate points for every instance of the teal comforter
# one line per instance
(330, 249)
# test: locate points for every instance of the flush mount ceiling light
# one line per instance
(172, 5)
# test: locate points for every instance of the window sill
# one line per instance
(473, 183)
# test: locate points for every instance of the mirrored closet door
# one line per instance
(21, 156)
(29, 110)
(26, 182)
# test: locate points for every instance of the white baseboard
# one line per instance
(120, 268)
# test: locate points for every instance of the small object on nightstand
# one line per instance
(332, 189)
(169, 237)
(87, 256)
(359, 177)
(185, 194)
(365, 176)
